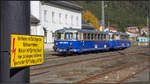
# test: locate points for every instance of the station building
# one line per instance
(53, 15)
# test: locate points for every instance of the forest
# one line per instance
(119, 14)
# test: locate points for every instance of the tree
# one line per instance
(121, 13)
(90, 18)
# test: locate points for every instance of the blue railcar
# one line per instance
(95, 45)
(79, 40)
(119, 41)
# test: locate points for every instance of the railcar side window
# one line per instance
(101, 36)
(91, 36)
(98, 36)
(107, 37)
(88, 36)
(84, 36)
(104, 36)
(117, 37)
(75, 36)
(123, 37)
(113, 37)
(95, 37)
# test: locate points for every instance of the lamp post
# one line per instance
(103, 16)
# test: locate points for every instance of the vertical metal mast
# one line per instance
(14, 19)
(103, 17)
(148, 26)
(148, 21)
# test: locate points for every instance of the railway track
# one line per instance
(44, 69)
(60, 56)
(132, 75)
(66, 56)
(101, 75)
(47, 58)
(78, 57)
(41, 70)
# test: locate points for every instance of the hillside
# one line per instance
(120, 14)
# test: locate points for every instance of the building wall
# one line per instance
(144, 30)
(35, 8)
(33, 29)
(142, 39)
(53, 17)
(36, 12)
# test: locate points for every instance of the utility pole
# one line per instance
(103, 16)
(148, 25)
(148, 21)
(108, 25)
(14, 19)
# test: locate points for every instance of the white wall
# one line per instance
(35, 8)
(36, 12)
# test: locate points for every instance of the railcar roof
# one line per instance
(80, 30)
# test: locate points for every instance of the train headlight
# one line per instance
(57, 48)
(69, 48)
(70, 43)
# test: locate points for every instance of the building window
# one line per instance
(77, 21)
(66, 19)
(53, 17)
(71, 19)
(60, 18)
(53, 34)
(45, 35)
(45, 15)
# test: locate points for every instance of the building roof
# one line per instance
(144, 29)
(86, 25)
(112, 28)
(34, 20)
(66, 4)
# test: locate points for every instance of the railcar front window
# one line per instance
(59, 36)
(68, 36)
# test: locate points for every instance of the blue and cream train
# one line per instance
(80, 40)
